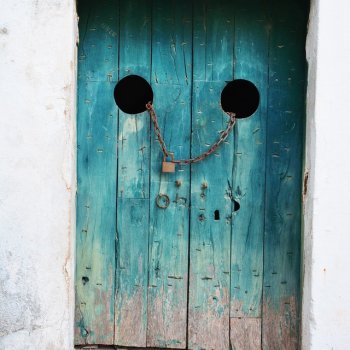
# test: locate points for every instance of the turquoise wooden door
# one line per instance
(199, 274)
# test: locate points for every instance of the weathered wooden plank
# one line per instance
(172, 43)
(96, 212)
(98, 40)
(251, 63)
(96, 167)
(208, 318)
(208, 324)
(168, 274)
(133, 140)
(131, 273)
(169, 228)
(212, 39)
(245, 333)
(123, 348)
(286, 118)
(133, 183)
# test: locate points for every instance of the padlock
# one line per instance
(168, 167)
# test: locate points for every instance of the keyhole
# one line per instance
(216, 215)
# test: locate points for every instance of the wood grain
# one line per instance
(183, 277)
(208, 319)
(285, 124)
(98, 36)
(248, 184)
(169, 228)
(245, 333)
(134, 132)
(96, 189)
(133, 183)
(131, 272)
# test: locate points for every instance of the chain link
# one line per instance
(231, 123)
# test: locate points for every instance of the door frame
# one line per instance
(309, 154)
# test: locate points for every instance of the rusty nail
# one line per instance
(204, 185)
(177, 183)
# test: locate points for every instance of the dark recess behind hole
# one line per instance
(132, 93)
(241, 97)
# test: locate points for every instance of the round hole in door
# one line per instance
(241, 97)
(132, 93)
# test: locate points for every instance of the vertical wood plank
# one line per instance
(169, 228)
(286, 118)
(251, 63)
(131, 275)
(96, 167)
(245, 333)
(208, 319)
(98, 36)
(133, 183)
(133, 140)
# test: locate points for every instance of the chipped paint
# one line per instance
(281, 325)
(200, 255)
(131, 322)
(209, 326)
(245, 333)
(166, 323)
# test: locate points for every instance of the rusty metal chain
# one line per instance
(212, 148)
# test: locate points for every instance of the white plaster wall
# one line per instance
(326, 314)
(37, 181)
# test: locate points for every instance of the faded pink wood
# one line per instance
(281, 332)
(245, 333)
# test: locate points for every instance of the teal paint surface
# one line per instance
(169, 228)
(134, 132)
(181, 277)
(133, 183)
(97, 171)
(285, 123)
(131, 272)
(209, 284)
(251, 58)
(99, 42)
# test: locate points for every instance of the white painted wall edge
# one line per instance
(326, 292)
(37, 173)
(309, 166)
